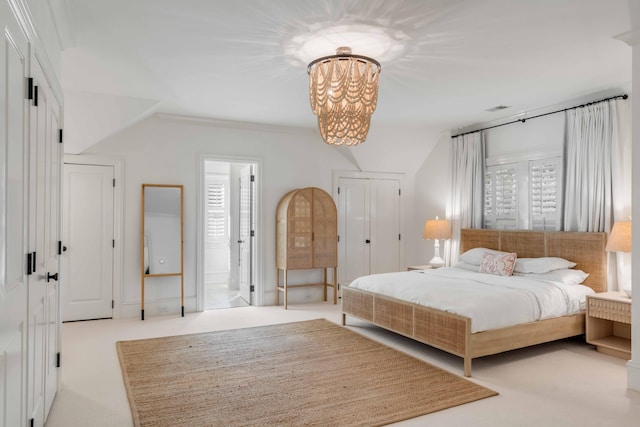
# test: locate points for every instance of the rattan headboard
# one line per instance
(587, 250)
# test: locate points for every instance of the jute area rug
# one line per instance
(303, 373)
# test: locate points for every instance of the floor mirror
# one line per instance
(162, 236)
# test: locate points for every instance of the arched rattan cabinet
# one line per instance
(306, 238)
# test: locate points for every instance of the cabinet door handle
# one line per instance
(367, 241)
(52, 277)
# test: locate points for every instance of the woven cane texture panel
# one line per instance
(609, 310)
(441, 330)
(281, 229)
(300, 227)
(477, 238)
(357, 303)
(306, 230)
(325, 229)
(394, 315)
(585, 249)
(527, 244)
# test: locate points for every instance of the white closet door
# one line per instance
(384, 226)
(52, 179)
(368, 226)
(37, 247)
(353, 229)
(13, 249)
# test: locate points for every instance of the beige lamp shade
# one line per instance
(437, 229)
(620, 237)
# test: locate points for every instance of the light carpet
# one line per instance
(304, 373)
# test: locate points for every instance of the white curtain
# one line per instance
(466, 195)
(598, 169)
(590, 135)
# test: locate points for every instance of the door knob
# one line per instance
(52, 277)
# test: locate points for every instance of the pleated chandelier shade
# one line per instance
(343, 90)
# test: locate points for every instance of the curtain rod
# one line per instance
(624, 96)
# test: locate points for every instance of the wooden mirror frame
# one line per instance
(143, 272)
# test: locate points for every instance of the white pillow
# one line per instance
(567, 276)
(541, 265)
(464, 266)
(474, 256)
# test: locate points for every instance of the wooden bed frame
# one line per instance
(452, 333)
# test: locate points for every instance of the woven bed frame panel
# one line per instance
(452, 333)
(442, 330)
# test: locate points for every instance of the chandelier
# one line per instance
(343, 90)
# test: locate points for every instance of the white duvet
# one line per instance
(491, 301)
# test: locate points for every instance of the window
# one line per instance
(524, 194)
(544, 206)
(217, 225)
(501, 196)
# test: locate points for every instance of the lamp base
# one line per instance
(436, 262)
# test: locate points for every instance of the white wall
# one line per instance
(162, 150)
(432, 189)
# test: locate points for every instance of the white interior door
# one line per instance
(88, 235)
(245, 241)
(13, 242)
(384, 225)
(353, 229)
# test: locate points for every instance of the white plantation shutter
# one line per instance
(216, 213)
(501, 196)
(544, 193)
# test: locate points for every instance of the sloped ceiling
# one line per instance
(226, 59)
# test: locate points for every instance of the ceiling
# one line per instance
(226, 59)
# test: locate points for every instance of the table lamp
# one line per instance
(620, 241)
(437, 229)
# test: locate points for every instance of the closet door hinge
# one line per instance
(399, 237)
(29, 87)
(399, 192)
(253, 178)
(113, 243)
(60, 136)
(114, 182)
(32, 259)
(253, 233)
(252, 288)
(29, 264)
(113, 304)
(58, 360)
(338, 190)
(338, 238)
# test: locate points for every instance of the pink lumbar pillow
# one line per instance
(501, 265)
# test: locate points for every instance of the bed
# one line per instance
(453, 333)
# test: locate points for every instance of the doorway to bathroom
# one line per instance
(228, 201)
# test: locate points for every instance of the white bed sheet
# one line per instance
(491, 301)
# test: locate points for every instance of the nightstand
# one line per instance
(419, 267)
(609, 323)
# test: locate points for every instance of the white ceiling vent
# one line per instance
(497, 108)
